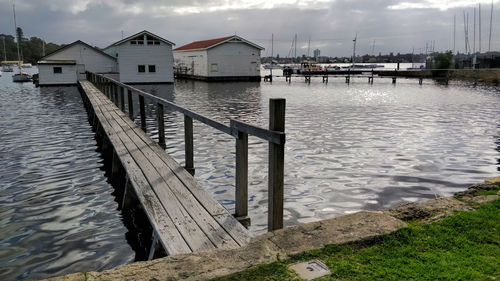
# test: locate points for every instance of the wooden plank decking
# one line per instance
(184, 216)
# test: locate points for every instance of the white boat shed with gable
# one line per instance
(220, 59)
(68, 64)
(143, 58)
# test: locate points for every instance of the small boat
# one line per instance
(273, 66)
(21, 77)
(27, 65)
(7, 68)
(306, 67)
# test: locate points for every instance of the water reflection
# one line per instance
(57, 212)
(349, 147)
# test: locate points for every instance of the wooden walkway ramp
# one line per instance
(184, 216)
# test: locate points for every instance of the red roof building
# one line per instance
(221, 59)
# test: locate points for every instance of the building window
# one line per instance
(141, 68)
(152, 40)
(57, 69)
(152, 68)
(139, 40)
(214, 67)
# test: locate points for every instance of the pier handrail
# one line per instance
(275, 135)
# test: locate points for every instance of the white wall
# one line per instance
(234, 59)
(195, 61)
(93, 60)
(130, 56)
(48, 77)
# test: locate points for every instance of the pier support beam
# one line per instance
(276, 166)
(188, 142)
(142, 109)
(161, 125)
(241, 193)
(130, 105)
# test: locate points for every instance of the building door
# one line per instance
(80, 72)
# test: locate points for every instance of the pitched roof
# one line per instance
(137, 34)
(72, 44)
(207, 44)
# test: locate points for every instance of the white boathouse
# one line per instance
(229, 58)
(68, 64)
(143, 58)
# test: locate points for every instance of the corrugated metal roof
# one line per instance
(204, 44)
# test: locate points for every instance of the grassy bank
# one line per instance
(465, 246)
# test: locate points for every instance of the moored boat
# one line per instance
(21, 76)
(7, 68)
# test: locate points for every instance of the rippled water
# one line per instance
(57, 213)
(349, 148)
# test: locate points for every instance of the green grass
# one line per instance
(465, 246)
(488, 192)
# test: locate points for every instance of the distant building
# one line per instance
(226, 58)
(323, 59)
(316, 53)
(143, 58)
(68, 64)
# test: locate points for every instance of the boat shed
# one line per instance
(230, 58)
(68, 64)
(143, 58)
(57, 72)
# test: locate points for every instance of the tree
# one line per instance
(443, 60)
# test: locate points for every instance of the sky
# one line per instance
(398, 26)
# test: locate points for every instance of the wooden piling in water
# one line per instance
(241, 184)
(189, 146)
(161, 125)
(276, 166)
(142, 110)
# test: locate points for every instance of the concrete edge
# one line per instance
(280, 244)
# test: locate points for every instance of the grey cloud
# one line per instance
(331, 27)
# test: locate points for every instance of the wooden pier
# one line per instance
(184, 216)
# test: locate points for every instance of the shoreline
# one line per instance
(284, 243)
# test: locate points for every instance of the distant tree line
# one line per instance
(31, 50)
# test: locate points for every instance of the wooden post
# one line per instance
(241, 192)
(115, 93)
(130, 105)
(276, 165)
(161, 125)
(142, 110)
(188, 144)
(122, 99)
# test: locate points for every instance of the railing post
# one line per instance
(115, 93)
(122, 99)
(161, 125)
(276, 166)
(143, 112)
(130, 105)
(241, 193)
(188, 144)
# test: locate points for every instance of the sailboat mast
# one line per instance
(474, 40)
(272, 46)
(308, 46)
(4, 51)
(354, 48)
(454, 32)
(295, 53)
(491, 20)
(15, 29)
(479, 8)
